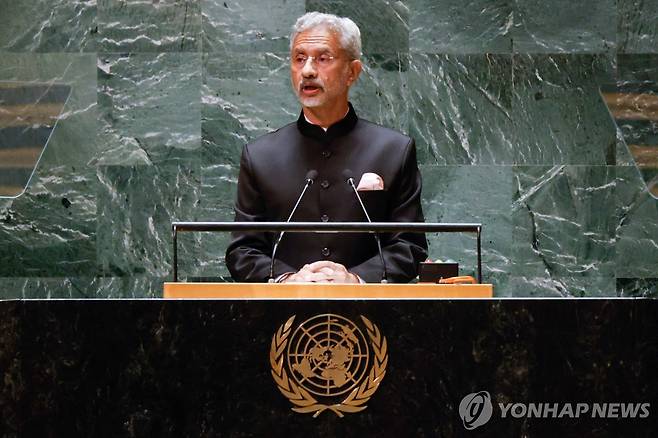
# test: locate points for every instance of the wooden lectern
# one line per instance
(265, 291)
(325, 291)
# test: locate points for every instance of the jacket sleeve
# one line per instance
(403, 252)
(248, 256)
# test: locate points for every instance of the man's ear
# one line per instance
(355, 70)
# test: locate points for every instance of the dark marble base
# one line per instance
(201, 368)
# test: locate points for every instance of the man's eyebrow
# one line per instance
(322, 49)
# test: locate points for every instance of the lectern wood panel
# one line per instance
(325, 291)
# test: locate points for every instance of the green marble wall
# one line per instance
(501, 97)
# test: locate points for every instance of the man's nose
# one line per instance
(309, 71)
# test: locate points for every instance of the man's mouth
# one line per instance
(310, 89)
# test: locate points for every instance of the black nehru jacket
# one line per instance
(272, 174)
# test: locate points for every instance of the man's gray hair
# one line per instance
(348, 32)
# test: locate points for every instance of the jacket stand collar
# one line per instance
(340, 128)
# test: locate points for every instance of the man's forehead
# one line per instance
(317, 38)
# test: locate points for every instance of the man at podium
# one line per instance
(331, 152)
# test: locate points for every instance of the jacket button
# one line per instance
(326, 153)
(324, 218)
(324, 184)
(326, 252)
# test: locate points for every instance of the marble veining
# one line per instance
(149, 26)
(48, 26)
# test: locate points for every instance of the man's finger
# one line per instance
(316, 266)
(310, 277)
(327, 271)
(318, 277)
(305, 270)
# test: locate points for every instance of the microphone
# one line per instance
(310, 178)
(349, 177)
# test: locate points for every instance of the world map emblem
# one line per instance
(328, 363)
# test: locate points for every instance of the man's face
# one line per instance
(323, 80)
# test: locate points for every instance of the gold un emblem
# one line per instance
(327, 364)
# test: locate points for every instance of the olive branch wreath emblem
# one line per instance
(304, 402)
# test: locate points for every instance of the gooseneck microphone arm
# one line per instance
(350, 180)
(310, 178)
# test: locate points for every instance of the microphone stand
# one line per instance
(309, 181)
(350, 181)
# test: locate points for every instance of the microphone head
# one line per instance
(311, 175)
(348, 175)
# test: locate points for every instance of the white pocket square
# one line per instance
(370, 181)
